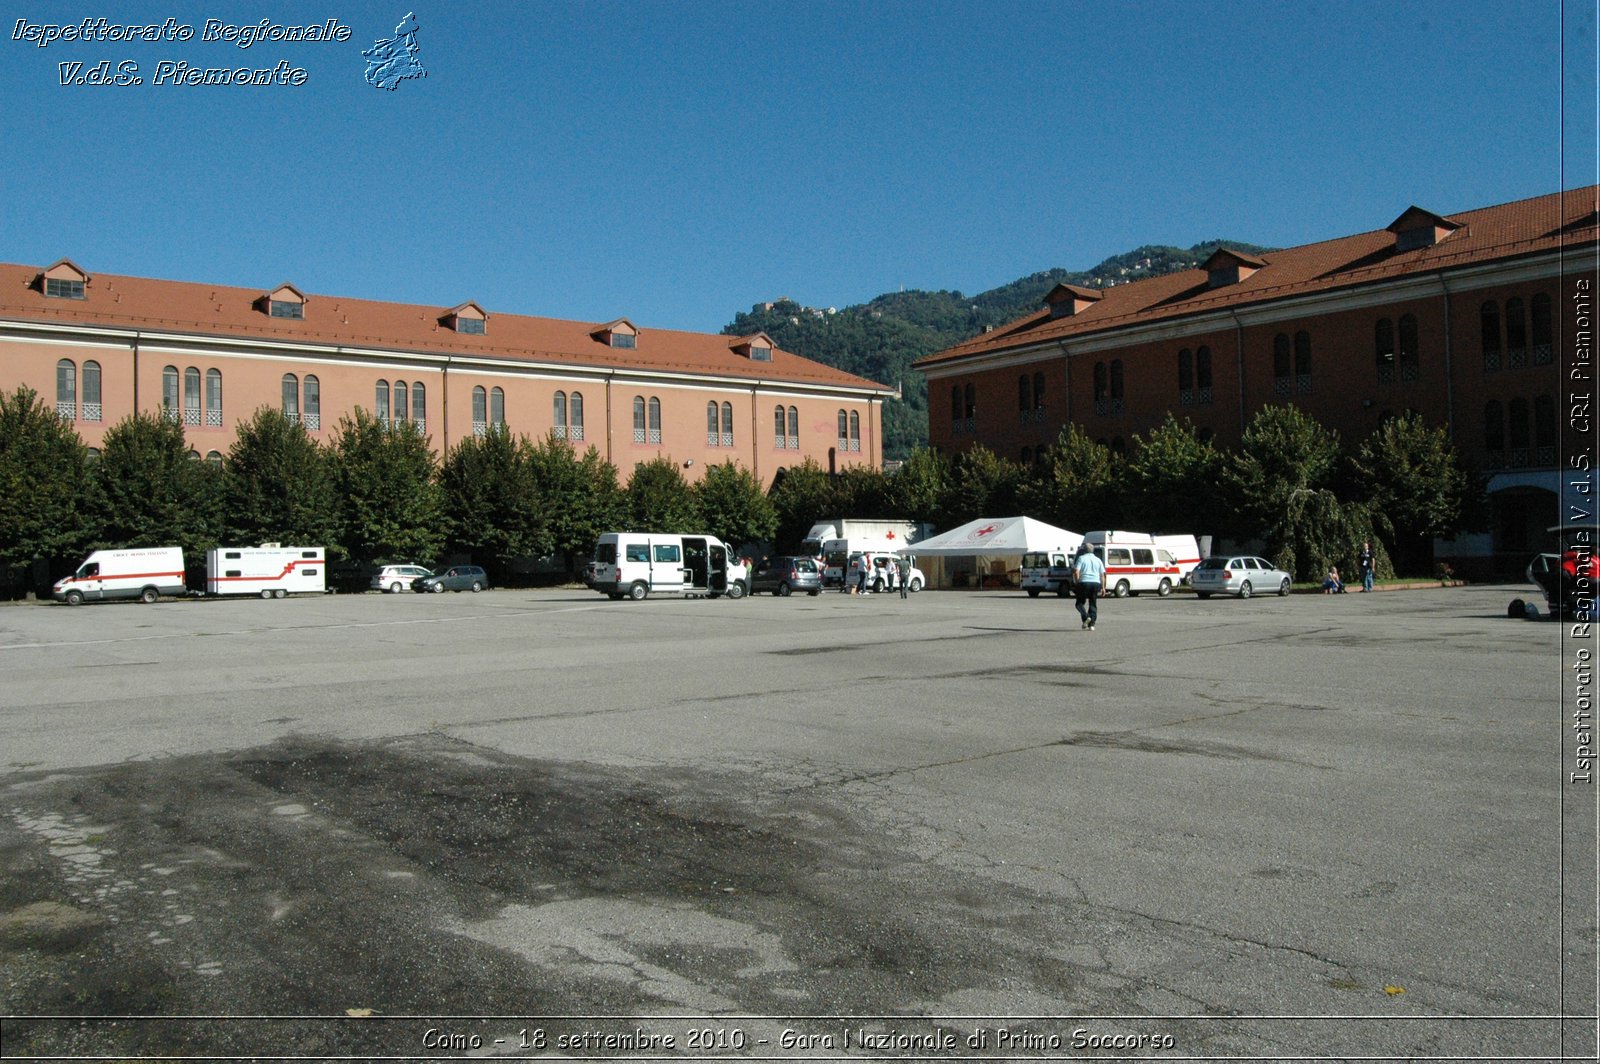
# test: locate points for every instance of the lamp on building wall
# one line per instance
(687, 462)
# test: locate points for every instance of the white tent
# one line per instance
(998, 535)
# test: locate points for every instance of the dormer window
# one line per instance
(620, 333)
(757, 347)
(1417, 228)
(1226, 267)
(469, 319)
(285, 301)
(64, 281)
(1065, 300)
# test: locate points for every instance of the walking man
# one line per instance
(1089, 572)
(902, 567)
(1368, 564)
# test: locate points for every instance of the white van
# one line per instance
(269, 570)
(1137, 561)
(145, 573)
(639, 564)
(836, 554)
(1046, 570)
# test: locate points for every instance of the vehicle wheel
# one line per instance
(1164, 588)
(1283, 588)
(877, 587)
(638, 590)
(1121, 590)
(266, 593)
(477, 586)
(74, 598)
(1033, 592)
(394, 588)
(915, 586)
(1202, 594)
(1245, 590)
(736, 590)
(149, 594)
(783, 589)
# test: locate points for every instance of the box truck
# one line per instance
(270, 570)
(143, 573)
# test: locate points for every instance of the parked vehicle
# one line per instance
(269, 570)
(886, 575)
(784, 576)
(1137, 561)
(397, 578)
(639, 564)
(895, 531)
(144, 573)
(456, 578)
(1241, 574)
(1046, 570)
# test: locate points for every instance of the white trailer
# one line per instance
(269, 570)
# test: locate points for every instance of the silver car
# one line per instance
(1239, 574)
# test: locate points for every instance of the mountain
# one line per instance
(881, 338)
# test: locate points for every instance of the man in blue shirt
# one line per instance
(1088, 572)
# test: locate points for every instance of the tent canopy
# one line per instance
(998, 535)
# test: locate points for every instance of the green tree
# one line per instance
(1078, 486)
(913, 491)
(391, 507)
(1318, 530)
(659, 499)
(733, 507)
(1412, 477)
(278, 485)
(861, 491)
(492, 504)
(46, 483)
(580, 495)
(153, 492)
(802, 495)
(1283, 451)
(981, 484)
(1172, 482)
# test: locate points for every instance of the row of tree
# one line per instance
(378, 493)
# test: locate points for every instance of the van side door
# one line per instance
(666, 567)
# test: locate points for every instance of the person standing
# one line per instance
(902, 569)
(1369, 562)
(1089, 573)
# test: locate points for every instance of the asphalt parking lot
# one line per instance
(530, 823)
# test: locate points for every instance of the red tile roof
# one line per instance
(234, 313)
(1508, 231)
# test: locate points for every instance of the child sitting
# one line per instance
(1331, 584)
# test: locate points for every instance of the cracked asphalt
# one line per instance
(540, 823)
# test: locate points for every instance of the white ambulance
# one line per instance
(639, 564)
(144, 573)
(270, 570)
(1137, 561)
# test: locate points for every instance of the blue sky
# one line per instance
(675, 163)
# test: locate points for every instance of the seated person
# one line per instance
(1331, 584)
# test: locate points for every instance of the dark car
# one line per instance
(784, 576)
(456, 578)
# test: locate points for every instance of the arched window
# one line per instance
(1517, 434)
(1027, 456)
(1118, 447)
(844, 431)
(794, 428)
(1202, 374)
(575, 421)
(1185, 375)
(91, 392)
(727, 424)
(1099, 381)
(655, 420)
(1383, 350)
(1204, 435)
(1302, 361)
(497, 407)
(214, 398)
(1408, 347)
(855, 431)
(1038, 391)
(191, 397)
(1516, 334)
(419, 404)
(1024, 393)
(558, 414)
(1543, 338)
(1489, 331)
(1493, 426)
(480, 410)
(291, 397)
(970, 395)
(313, 411)
(638, 419)
(402, 401)
(711, 424)
(1282, 376)
(169, 393)
(777, 427)
(1116, 379)
(215, 458)
(380, 404)
(67, 390)
(1544, 429)
(955, 402)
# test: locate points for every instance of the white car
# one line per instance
(1239, 574)
(397, 578)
